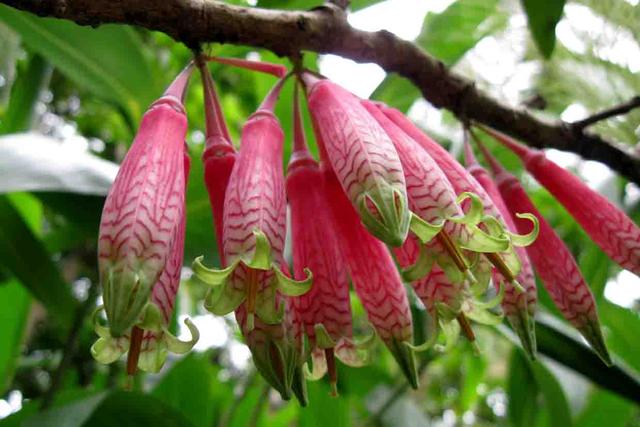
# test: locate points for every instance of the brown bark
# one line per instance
(326, 30)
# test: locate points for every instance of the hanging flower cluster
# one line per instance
(384, 205)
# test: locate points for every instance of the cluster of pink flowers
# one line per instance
(383, 206)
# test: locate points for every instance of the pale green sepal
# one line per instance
(451, 331)
(323, 339)
(428, 344)
(451, 270)
(483, 316)
(318, 366)
(423, 229)
(107, 350)
(266, 308)
(261, 259)
(175, 345)
(476, 210)
(290, 287)
(529, 238)
(126, 293)
(420, 269)
(221, 300)
(479, 241)
(212, 276)
(151, 319)
(493, 301)
(392, 225)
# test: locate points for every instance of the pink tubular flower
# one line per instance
(608, 226)
(436, 213)
(254, 226)
(362, 157)
(554, 263)
(218, 157)
(141, 241)
(506, 262)
(519, 307)
(374, 277)
(323, 313)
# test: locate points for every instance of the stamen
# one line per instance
(498, 263)
(135, 343)
(466, 327)
(452, 250)
(252, 293)
(331, 369)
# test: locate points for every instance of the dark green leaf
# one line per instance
(24, 95)
(554, 399)
(192, 388)
(523, 391)
(622, 337)
(108, 61)
(72, 415)
(543, 17)
(324, 410)
(32, 162)
(15, 303)
(24, 255)
(128, 409)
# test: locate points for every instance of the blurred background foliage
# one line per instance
(80, 93)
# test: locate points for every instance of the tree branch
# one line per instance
(618, 110)
(326, 30)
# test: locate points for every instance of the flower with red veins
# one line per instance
(324, 313)
(507, 261)
(375, 278)
(362, 157)
(608, 226)
(554, 263)
(141, 242)
(436, 211)
(254, 226)
(519, 307)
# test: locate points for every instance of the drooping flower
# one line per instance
(362, 157)
(519, 307)
(219, 155)
(507, 261)
(375, 278)
(609, 227)
(436, 212)
(554, 263)
(141, 242)
(324, 313)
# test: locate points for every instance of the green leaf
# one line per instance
(73, 414)
(622, 326)
(542, 17)
(192, 388)
(606, 409)
(554, 399)
(32, 162)
(24, 95)
(15, 304)
(24, 255)
(323, 409)
(522, 390)
(108, 61)
(447, 36)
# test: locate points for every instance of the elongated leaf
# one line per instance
(25, 93)
(24, 255)
(542, 17)
(15, 303)
(554, 399)
(523, 390)
(108, 61)
(623, 325)
(32, 162)
(447, 36)
(73, 414)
